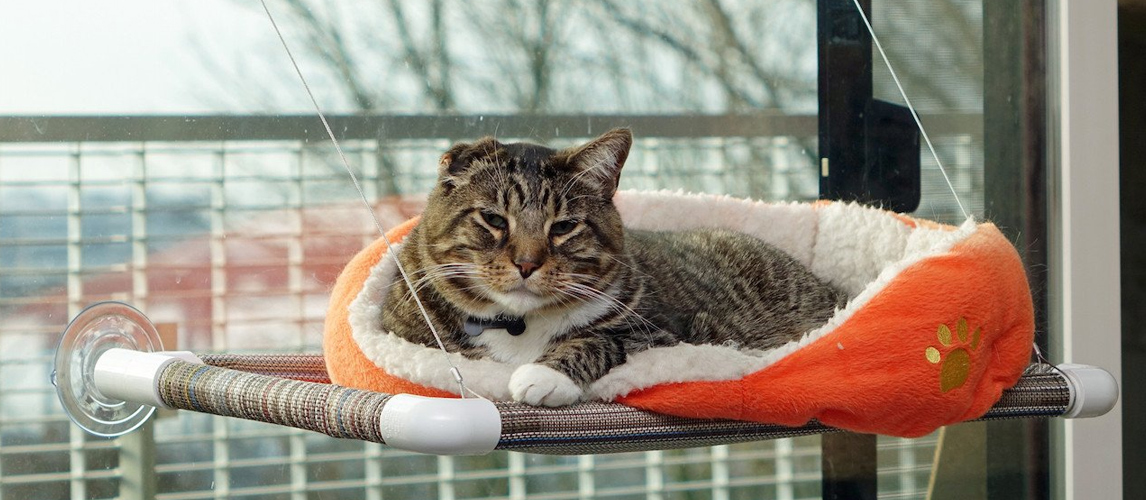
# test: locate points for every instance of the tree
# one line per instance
(619, 57)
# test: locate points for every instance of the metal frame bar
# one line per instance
(1016, 461)
(848, 460)
(1039, 393)
(1086, 314)
(178, 128)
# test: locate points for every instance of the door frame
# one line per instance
(1085, 310)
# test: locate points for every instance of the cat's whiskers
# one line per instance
(588, 292)
(585, 277)
(583, 297)
(627, 264)
(475, 286)
(435, 267)
(628, 314)
(427, 280)
(568, 290)
(444, 272)
(575, 198)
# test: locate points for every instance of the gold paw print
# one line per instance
(953, 368)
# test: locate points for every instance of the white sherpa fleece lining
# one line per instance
(855, 248)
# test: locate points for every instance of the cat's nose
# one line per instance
(526, 267)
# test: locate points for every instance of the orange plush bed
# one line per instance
(938, 323)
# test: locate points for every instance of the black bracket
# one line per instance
(869, 149)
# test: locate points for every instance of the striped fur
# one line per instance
(524, 230)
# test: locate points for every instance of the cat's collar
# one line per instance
(475, 326)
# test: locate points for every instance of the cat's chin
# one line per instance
(519, 302)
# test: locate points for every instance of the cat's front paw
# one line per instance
(540, 385)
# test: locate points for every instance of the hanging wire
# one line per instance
(910, 107)
(454, 371)
(1042, 361)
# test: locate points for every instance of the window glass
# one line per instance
(169, 157)
(936, 50)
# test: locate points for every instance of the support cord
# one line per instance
(874, 39)
(457, 374)
(910, 107)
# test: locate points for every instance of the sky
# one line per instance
(222, 56)
(121, 56)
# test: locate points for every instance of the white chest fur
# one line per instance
(540, 330)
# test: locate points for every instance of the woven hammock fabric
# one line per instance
(1041, 392)
(594, 428)
(329, 409)
(305, 367)
(580, 429)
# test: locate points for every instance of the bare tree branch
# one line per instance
(435, 85)
(681, 47)
(327, 39)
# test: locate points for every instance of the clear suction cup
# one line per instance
(100, 327)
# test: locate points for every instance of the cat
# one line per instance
(520, 256)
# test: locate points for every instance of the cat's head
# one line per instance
(516, 228)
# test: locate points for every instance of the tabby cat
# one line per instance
(520, 257)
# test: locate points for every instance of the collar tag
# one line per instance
(476, 326)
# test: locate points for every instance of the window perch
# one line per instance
(938, 330)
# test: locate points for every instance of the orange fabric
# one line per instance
(872, 373)
(345, 362)
(888, 369)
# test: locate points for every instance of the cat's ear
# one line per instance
(602, 158)
(455, 163)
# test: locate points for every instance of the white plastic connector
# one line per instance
(127, 375)
(440, 426)
(1093, 391)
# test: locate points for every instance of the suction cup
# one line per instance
(100, 327)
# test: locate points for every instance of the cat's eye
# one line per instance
(494, 220)
(561, 228)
